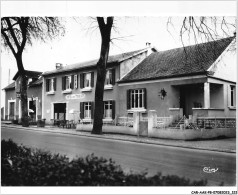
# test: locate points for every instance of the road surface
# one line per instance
(189, 163)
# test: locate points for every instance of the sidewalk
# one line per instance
(221, 145)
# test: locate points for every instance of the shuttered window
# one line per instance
(87, 80)
(86, 110)
(109, 109)
(232, 94)
(51, 85)
(136, 99)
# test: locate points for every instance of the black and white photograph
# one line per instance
(118, 95)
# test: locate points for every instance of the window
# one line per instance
(108, 79)
(87, 110)
(51, 85)
(136, 99)
(232, 96)
(68, 82)
(108, 109)
(87, 81)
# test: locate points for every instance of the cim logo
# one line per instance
(75, 96)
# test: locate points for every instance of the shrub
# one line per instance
(22, 166)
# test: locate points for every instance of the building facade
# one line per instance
(69, 91)
(34, 94)
(198, 80)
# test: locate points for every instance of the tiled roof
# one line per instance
(190, 60)
(10, 86)
(92, 63)
(29, 73)
(35, 83)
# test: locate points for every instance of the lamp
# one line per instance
(162, 94)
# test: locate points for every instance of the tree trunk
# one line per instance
(23, 92)
(101, 74)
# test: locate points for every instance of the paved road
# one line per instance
(135, 156)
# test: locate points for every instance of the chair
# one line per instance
(63, 123)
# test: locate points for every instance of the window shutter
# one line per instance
(54, 84)
(47, 85)
(82, 110)
(113, 76)
(92, 110)
(63, 83)
(228, 95)
(76, 81)
(128, 99)
(145, 98)
(92, 79)
(113, 109)
(72, 82)
(81, 80)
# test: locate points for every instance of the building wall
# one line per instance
(228, 111)
(226, 66)
(154, 101)
(10, 95)
(35, 91)
(216, 96)
(219, 96)
(73, 104)
(130, 63)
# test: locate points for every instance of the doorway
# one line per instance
(11, 110)
(60, 111)
(32, 109)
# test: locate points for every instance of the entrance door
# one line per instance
(60, 111)
(32, 111)
(11, 110)
(183, 101)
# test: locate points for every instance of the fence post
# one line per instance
(225, 121)
(136, 121)
(152, 121)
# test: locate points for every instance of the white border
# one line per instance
(118, 8)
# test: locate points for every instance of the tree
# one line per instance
(105, 31)
(16, 32)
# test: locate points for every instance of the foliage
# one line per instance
(22, 166)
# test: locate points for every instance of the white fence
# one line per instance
(125, 121)
(163, 122)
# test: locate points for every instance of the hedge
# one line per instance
(22, 166)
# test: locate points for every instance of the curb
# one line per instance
(116, 138)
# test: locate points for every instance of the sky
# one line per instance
(81, 41)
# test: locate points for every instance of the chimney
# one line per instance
(148, 44)
(58, 66)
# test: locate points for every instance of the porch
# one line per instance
(200, 100)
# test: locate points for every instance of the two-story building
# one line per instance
(34, 94)
(69, 90)
(195, 80)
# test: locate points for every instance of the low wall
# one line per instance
(108, 129)
(191, 134)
